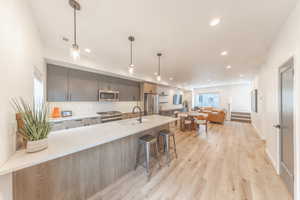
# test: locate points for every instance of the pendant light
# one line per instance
(131, 66)
(75, 51)
(158, 78)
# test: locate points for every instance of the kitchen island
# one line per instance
(82, 161)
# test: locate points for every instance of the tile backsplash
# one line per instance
(88, 108)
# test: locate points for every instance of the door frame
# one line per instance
(291, 64)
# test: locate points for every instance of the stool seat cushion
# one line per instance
(147, 138)
(166, 132)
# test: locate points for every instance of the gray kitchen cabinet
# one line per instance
(57, 83)
(129, 90)
(83, 86)
(108, 83)
(59, 125)
(94, 120)
(103, 82)
(65, 84)
(75, 123)
(133, 92)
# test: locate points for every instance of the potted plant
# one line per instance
(36, 125)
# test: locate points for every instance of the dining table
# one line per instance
(191, 115)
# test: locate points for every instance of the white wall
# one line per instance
(20, 52)
(239, 94)
(285, 46)
(257, 118)
(188, 96)
(170, 92)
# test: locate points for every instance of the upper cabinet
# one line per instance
(129, 90)
(57, 83)
(83, 86)
(64, 84)
(149, 88)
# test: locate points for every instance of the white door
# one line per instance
(286, 99)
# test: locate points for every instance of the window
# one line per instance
(38, 91)
(208, 100)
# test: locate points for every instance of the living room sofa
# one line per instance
(214, 114)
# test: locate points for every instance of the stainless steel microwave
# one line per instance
(106, 95)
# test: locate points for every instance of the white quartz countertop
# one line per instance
(65, 142)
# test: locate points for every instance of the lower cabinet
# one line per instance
(75, 123)
(94, 120)
(67, 124)
(56, 126)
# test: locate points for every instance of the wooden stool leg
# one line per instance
(174, 142)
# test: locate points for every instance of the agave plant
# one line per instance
(35, 119)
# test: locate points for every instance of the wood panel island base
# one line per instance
(82, 174)
(79, 175)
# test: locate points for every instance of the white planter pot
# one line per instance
(35, 146)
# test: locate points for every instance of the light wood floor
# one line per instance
(230, 165)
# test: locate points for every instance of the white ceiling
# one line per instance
(178, 28)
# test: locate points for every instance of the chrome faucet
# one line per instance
(140, 110)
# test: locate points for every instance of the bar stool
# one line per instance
(166, 134)
(176, 116)
(183, 118)
(187, 124)
(147, 141)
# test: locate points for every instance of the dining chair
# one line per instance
(201, 120)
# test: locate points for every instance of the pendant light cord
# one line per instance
(75, 28)
(130, 52)
(159, 65)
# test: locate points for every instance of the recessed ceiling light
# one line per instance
(215, 21)
(241, 75)
(171, 78)
(228, 67)
(87, 50)
(224, 53)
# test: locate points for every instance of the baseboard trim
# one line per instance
(272, 160)
(258, 132)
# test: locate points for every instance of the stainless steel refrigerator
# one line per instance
(151, 104)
